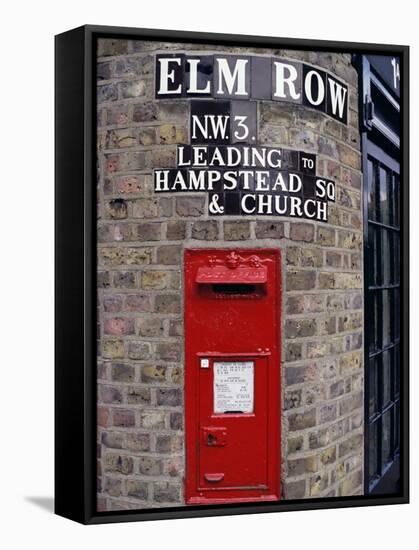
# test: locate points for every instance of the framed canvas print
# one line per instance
(231, 274)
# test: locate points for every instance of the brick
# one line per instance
(148, 466)
(176, 421)
(166, 492)
(293, 352)
(103, 279)
(125, 162)
(132, 185)
(152, 419)
(299, 328)
(137, 395)
(326, 236)
(113, 440)
(112, 303)
(301, 421)
(120, 138)
(349, 240)
(138, 350)
(294, 490)
(269, 230)
(107, 92)
(154, 280)
(236, 231)
(351, 403)
(103, 417)
(123, 418)
(113, 349)
(171, 134)
(176, 230)
(328, 456)
(205, 230)
(167, 303)
(169, 255)
(173, 111)
(169, 397)
(111, 46)
(110, 394)
(153, 373)
(353, 443)
(147, 136)
(292, 399)
(190, 206)
(118, 463)
(318, 484)
(119, 326)
(147, 231)
(301, 374)
(138, 302)
(164, 157)
(168, 444)
(302, 232)
(300, 280)
(132, 89)
(137, 489)
(300, 466)
(116, 114)
(168, 351)
(138, 256)
(333, 259)
(307, 303)
(113, 487)
(348, 486)
(121, 372)
(295, 444)
(150, 326)
(124, 279)
(350, 363)
(138, 442)
(145, 112)
(111, 256)
(327, 413)
(176, 327)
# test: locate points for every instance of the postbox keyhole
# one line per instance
(211, 439)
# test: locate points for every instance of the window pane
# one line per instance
(396, 256)
(384, 206)
(396, 358)
(386, 257)
(373, 450)
(373, 234)
(397, 426)
(373, 322)
(372, 200)
(373, 386)
(386, 310)
(396, 215)
(396, 320)
(386, 438)
(386, 377)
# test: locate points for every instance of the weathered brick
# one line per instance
(190, 206)
(294, 490)
(122, 372)
(153, 373)
(113, 440)
(168, 351)
(205, 230)
(138, 350)
(300, 280)
(110, 394)
(236, 231)
(137, 302)
(138, 442)
(147, 231)
(169, 255)
(167, 303)
(292, 399)
(293, 352)
(152, 419)
(176, 230)
(112, 303)
(299, 328)
(123, 418)
(166, 492)
(300, 374)
(301, 421)
(302, 232)
(154, 280)
(113, 349)
(326, 236)
(124, 279)
(119, 326)
(137, 256)
(145, 112)
(118, 463)
(148, 466)
(150, 326)
(137, 395)
(137, 489)
(299, 466)
(169, 397)
(269, 230)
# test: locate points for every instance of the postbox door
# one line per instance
(232, 400)
(233, 447)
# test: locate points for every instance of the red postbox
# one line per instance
(232, 400)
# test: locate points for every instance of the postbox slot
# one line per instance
(234, 288)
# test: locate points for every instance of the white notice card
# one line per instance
(233, 386)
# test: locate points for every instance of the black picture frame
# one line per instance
(75, 275)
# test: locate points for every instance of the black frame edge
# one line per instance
(70, 386)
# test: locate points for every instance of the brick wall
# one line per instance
(141, 238)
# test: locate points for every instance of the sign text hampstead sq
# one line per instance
(224, 157)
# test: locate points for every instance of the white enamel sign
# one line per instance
(233, 386)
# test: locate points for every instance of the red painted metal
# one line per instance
(232, 315)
